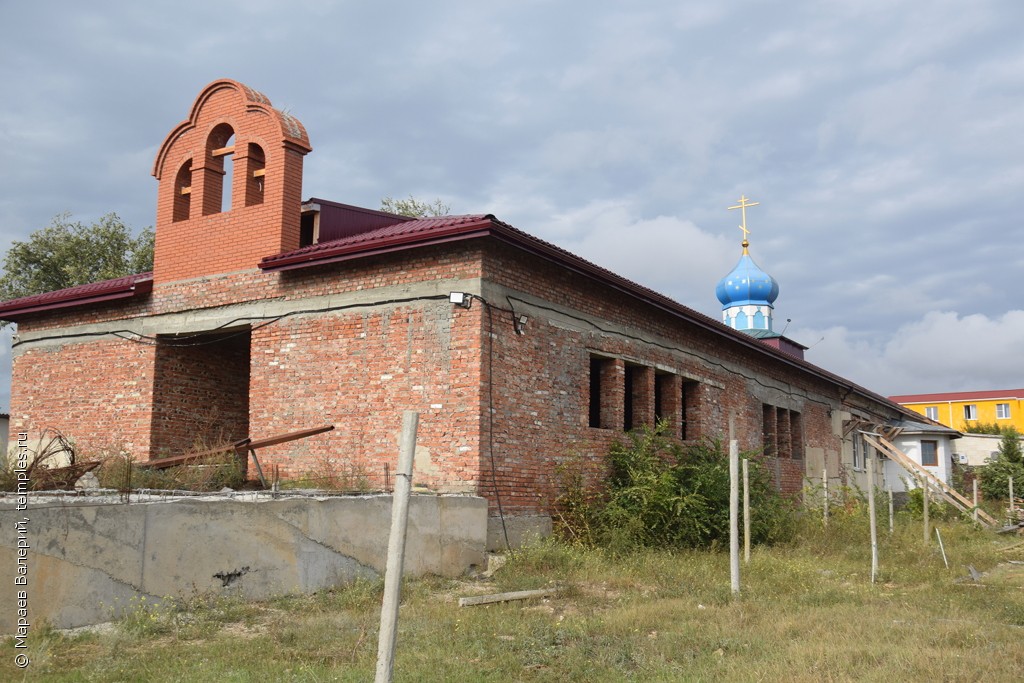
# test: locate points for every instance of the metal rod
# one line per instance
(396, 549)
(259, 470)
(941, 547)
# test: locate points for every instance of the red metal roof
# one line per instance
(338, 221)
(95, 292)
(399, 235)
(956, 396)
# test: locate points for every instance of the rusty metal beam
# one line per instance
(241, 448)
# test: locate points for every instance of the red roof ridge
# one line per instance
(94, 292)
(386, 238)
(947, 396)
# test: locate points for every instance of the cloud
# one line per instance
(880, 136)
(671, 256)
(941, 351)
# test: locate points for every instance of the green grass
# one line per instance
(807, 612)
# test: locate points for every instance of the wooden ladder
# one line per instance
(928, 479)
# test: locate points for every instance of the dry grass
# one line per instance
(808, 612)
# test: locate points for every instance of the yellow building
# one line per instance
(961, 409)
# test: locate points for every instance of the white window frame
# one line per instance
(1003, 411)
(858, 453)
(932, 413)
(970, 411)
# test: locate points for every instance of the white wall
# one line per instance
(900, 480)
(978, 447)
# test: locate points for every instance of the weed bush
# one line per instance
(993, 478)
(937, 509)
(661, 493)
(213, 474)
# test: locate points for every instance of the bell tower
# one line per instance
(230, 185)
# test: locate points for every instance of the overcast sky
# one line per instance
(884, 140)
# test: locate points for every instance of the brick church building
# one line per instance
(265, 314)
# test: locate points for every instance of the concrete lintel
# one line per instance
(205, 319)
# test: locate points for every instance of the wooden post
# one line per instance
(396, 548)
(924, 500)
(746, 511)
(974, 512)
(824, 486)
(1012, 508)
(734, 513)
(892, 526)
(872, 517)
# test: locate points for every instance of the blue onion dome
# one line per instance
(747, 284)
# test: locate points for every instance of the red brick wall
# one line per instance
(359, 371)
(99, 394)
(542, 381)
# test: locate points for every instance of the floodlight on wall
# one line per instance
(519, 322)
(461, 299)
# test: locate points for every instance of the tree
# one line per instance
(1007, 462)
(415, 208)
(66, 254)
(1009, 446)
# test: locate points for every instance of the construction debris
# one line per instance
(61, 478)
(507, 597)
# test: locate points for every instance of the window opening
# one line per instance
(595, 391)
(690, 410)
(219, 167)
(769, 437)
(255, 173)
(229, 172)
(796, 435)
(930, 453)
(182, 203)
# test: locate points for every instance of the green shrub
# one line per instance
(993, 478)
(937, 509)
(660, 493)
(212, 474)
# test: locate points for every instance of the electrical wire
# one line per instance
(490, 416)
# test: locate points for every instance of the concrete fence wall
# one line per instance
(78, 561)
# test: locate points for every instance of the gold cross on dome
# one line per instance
(744, 203)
